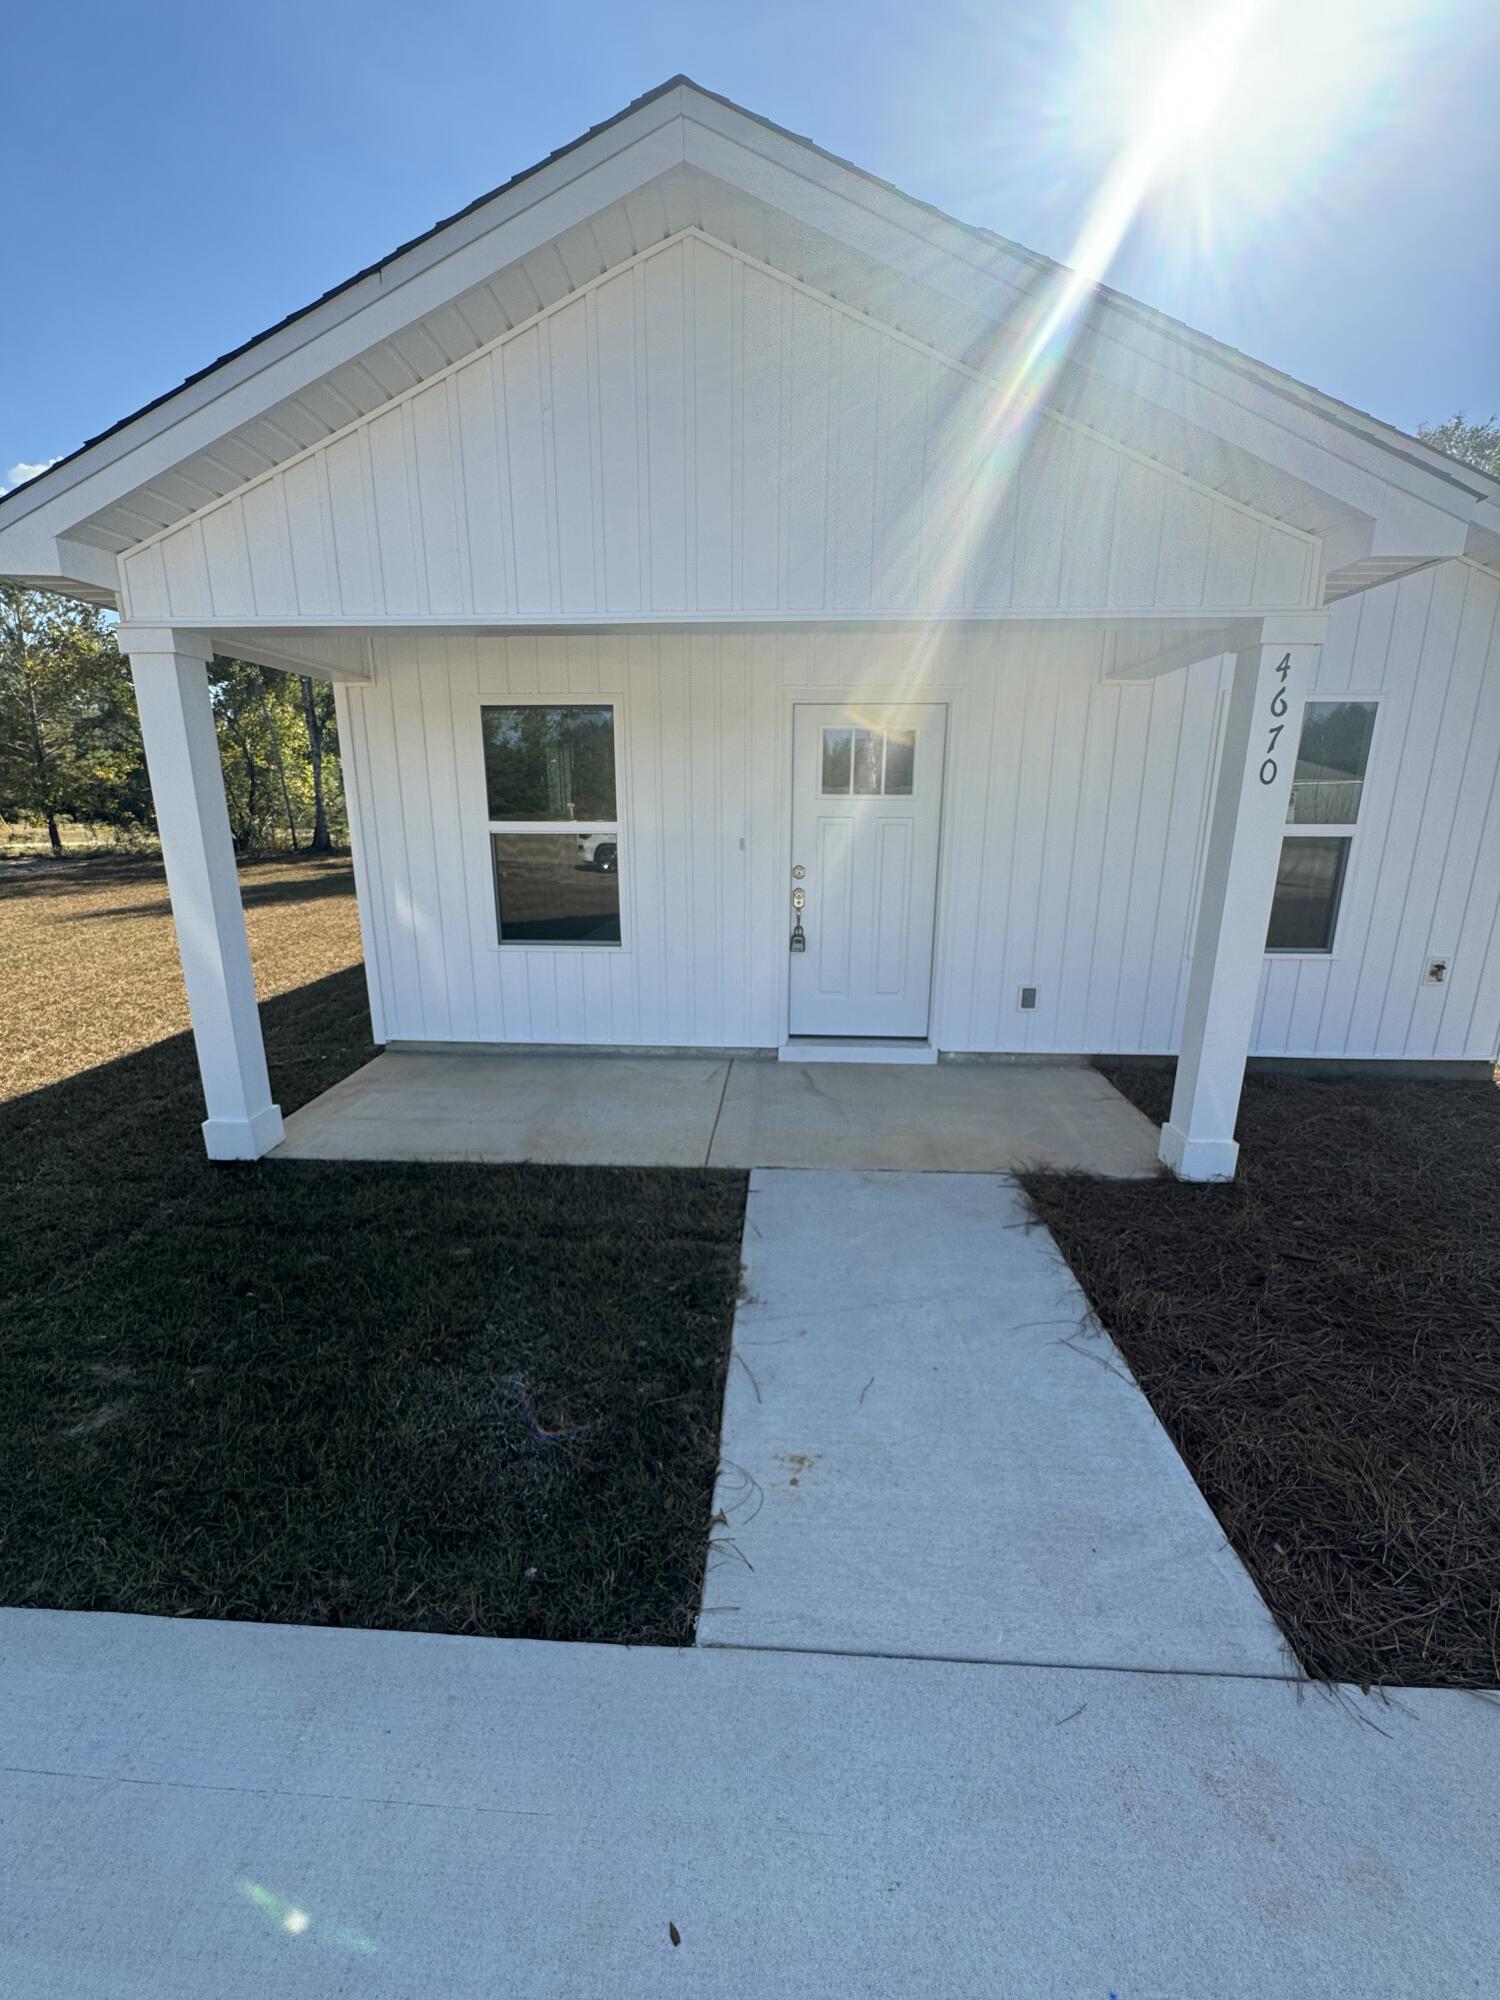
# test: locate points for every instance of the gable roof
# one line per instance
(1472, 497)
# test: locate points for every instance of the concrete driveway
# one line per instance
(227, 1812)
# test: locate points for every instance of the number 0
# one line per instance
(1268, 771)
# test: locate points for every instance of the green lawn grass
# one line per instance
(460, 1399)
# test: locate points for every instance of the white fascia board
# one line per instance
(547, 202)
(31, 555)
(1227, 395)
(1483, 543)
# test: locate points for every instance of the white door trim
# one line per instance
(864, 1045)
(955, 696)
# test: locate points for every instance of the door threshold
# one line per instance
(854, 1049)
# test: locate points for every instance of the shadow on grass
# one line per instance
(314, 876)
(312, 881)
(332, 1394)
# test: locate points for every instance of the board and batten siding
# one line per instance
(1075, 815)
(693, 434)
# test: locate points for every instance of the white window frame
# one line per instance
(1345, 829)
(561, 698)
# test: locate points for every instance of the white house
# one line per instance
(745, 637)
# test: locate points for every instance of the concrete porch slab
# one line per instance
(680, 1111)
(586, 1111)
(959, 1118)
(930, 1449)
(196, 1811)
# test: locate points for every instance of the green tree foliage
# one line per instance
(70, 746)
(70, 740)
(1476, 444)
(277, 736)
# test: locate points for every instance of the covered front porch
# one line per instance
(710, 880)
(725, 1111)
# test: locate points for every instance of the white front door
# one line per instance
(867, 804)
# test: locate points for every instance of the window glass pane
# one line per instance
(867, 743)
(557, 888)
(550, 763)
(1331, 760)
(1309, 883)
(836, 759)
(900, 759)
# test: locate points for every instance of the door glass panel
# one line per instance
(868, 762)
(1309, 882)
(557, 888)
(550, 763)
(900, 761)
(836, 760)
(1331, 761)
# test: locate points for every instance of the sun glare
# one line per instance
(1196, 123)
(1197, 78)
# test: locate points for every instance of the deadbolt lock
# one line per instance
(798, 872)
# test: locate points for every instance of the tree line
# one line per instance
(70, 742)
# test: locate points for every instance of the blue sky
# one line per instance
(180, 176)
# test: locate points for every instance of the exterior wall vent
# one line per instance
(1027, 999)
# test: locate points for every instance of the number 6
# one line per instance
(1278, 702)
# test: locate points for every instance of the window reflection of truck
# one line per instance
(598, 850)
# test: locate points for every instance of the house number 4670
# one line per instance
(1269, 767)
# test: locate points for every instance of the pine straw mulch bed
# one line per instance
(460, 1399)
(1321, 1340)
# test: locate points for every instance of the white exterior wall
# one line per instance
(1074, 818)
(694, 434)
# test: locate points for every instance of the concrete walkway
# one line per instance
(930, 1449)
(225, 1812)
(686, 1111)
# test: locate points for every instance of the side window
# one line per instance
(1327, 789)
(553, 821)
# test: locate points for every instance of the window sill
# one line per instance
(560, 944)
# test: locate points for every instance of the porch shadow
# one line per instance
(312, 882)
(87, 1158)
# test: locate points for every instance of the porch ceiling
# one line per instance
(1142, 647)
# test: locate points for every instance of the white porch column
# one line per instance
(170, 668)
(1256, 762)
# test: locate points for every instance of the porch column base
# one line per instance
(243, 1138)
(1198, 1159)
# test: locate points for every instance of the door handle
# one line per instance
(798, 940)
